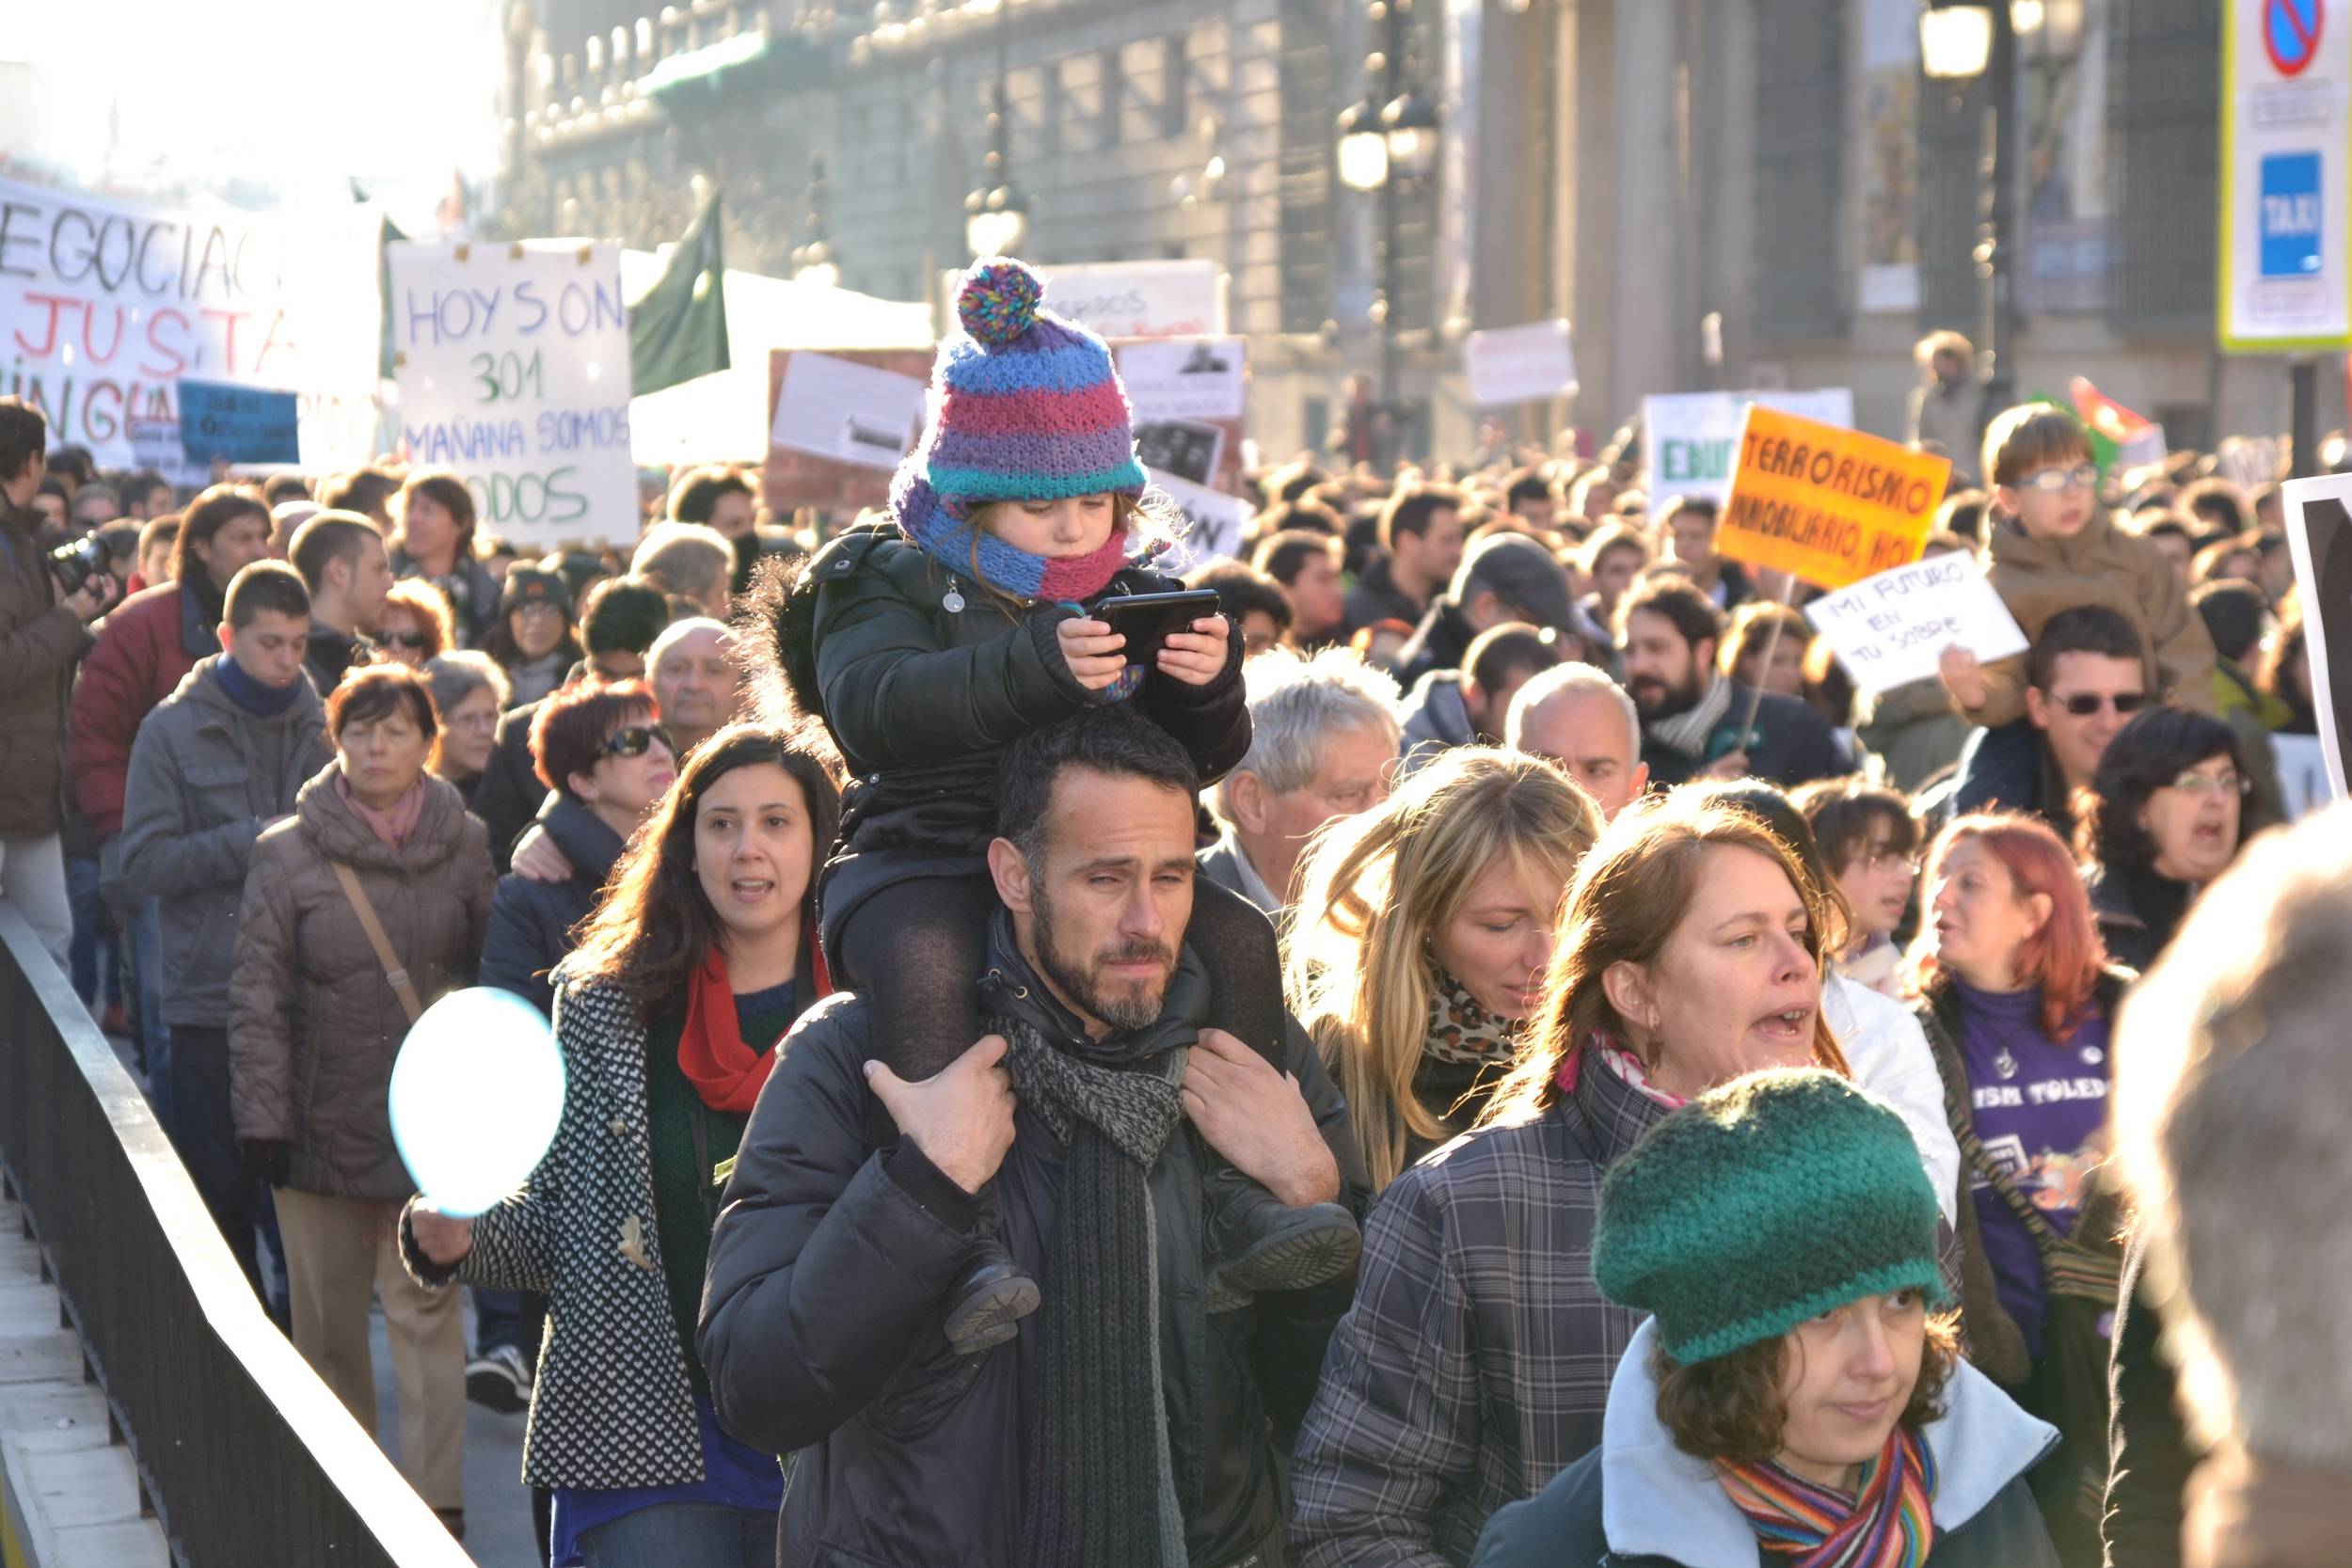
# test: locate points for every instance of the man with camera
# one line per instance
(46, 605)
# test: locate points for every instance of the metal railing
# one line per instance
(247, 1460)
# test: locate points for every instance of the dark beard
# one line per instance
(1076, 981)
(1678, 699)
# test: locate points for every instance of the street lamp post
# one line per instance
(1958, 42)
(1388, 144)
(812, 262)
(996, 214)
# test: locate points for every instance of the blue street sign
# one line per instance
(2290, 214)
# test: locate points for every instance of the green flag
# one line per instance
(680, 330)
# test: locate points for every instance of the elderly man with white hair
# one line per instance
(1323, 734)
(698, 684)
(1575, 717)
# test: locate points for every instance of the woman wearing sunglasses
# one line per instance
(414, 625)
(2166, 814)
(2016, 997)
(699, 957)
(609, 764)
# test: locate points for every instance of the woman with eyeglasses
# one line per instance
(700, 955)
(2166, 814)
(414, 625)
(2012, 988)
(532, 639)
(469, 692)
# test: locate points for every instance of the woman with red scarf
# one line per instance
(693, 967)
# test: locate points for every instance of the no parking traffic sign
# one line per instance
(2286, 177)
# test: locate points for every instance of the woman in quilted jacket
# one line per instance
(315, 1023)
(697, 960)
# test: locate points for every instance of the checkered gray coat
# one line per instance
(1475, 1364)
(612, 1406)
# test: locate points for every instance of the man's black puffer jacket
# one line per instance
(820, 1322)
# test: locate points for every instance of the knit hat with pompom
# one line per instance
(1761, 1204)
(1024, 405)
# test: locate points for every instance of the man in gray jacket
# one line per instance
(215, 763)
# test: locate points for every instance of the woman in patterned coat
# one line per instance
(693, 967)
(1421, 939)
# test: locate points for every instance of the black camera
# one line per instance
(74, 564)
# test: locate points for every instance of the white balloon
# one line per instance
(476, 1095)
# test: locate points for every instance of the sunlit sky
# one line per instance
(295, 93)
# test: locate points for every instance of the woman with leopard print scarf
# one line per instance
(1422, 937)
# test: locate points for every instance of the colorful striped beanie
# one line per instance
(1024, 405)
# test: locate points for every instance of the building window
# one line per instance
(1175, 73)
(1114, 89)
(1050, 109)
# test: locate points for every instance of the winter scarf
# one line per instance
(726, 1072)
(1462, 1031)
(1102, 1490)
(1687, 731)
(257, 698)
(1888, 1524)
(1605, 1048)
(392, 823)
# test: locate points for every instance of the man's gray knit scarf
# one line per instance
(1687, 731)
(1102, 1490)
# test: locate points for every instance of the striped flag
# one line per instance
(2119, 437)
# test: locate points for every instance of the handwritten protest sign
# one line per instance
(104, 306)
(512, 366)
(1694, 437)
(1888, 629)
(1520, 364)
(831, 455)
(1827, 505)
(1216, 521)
(155, 444)
(237, 424)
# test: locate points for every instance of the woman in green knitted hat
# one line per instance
(1793, 1399)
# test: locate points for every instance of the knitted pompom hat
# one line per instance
(1760, 1205)
(1024, 405)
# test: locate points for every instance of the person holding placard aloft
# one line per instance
(2053, 547)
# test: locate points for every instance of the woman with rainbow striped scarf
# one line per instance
(1793, 1402)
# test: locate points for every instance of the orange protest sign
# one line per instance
(1828, 505)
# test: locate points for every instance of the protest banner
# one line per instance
(1826, 505)
(2285, 250)
(1140, 299)
(2319, 536)
(1889, 630)
(839, 422)
(106, 306)
(1190, 399)
(512, 366)
(1520, 364)
(155, 444)
(1216, 523)
(1694, 437)
(237, 424)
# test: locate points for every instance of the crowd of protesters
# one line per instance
(1476, 1046)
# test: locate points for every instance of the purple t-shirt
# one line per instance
(2041, 1109)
